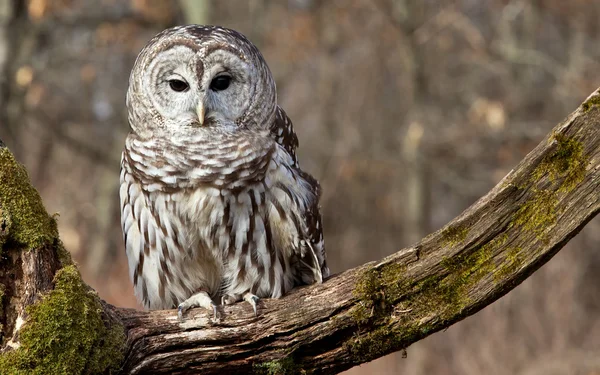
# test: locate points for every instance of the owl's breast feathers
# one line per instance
(224, 161)
(229, 215)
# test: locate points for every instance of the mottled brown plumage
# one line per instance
(214, 205)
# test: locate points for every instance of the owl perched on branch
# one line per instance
(214, 206)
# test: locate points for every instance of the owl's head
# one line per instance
(191, 77)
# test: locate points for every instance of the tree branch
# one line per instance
(381, 307)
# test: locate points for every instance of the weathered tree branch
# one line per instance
(381, 307)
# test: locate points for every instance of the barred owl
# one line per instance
(214, 206)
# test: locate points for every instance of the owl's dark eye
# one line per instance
(220, 83)
(178, 85)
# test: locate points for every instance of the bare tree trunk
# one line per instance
(53, 323)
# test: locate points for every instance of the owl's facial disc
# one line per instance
(200, 87)
(195, 77)
(205, 87)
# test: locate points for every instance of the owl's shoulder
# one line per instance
(282, 131)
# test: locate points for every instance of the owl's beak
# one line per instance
(200, 113)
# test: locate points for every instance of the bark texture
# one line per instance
(380, 307)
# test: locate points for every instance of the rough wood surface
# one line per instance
(381, 307)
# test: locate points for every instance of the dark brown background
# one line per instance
(407, 111)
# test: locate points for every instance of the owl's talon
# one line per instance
(200, 299)
(215, 315)
(252, 299)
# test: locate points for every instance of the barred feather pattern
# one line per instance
(227, 216)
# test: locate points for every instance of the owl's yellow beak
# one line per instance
(200, 113)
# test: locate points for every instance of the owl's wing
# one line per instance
(151, 240)
(312, 263)
(314, 232)
(282, 131)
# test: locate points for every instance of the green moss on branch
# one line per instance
(566, 165)
(565, 168)
(592, 102)
(283, 366)
(538, 213)
(455, 234)
(512, 263)
(22, 212)
(386, 296)
(67, 333)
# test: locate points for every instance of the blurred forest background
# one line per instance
(407, 112)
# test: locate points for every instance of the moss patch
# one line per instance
(538, 213)
(373, 343)
(23, 214)
(5, 224)
(380, 288)
(566, 165)
(565, 168)
(284, 366)
(512, 263)
(386, 295)
(590, 103)
(66, 333)
(467, 270)
(454, 234)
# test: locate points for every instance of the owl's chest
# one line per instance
(223, 221)
(258, 219)
(248, 235)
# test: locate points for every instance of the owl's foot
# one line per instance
(230, 299)
(200, 299)
(252, 299)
